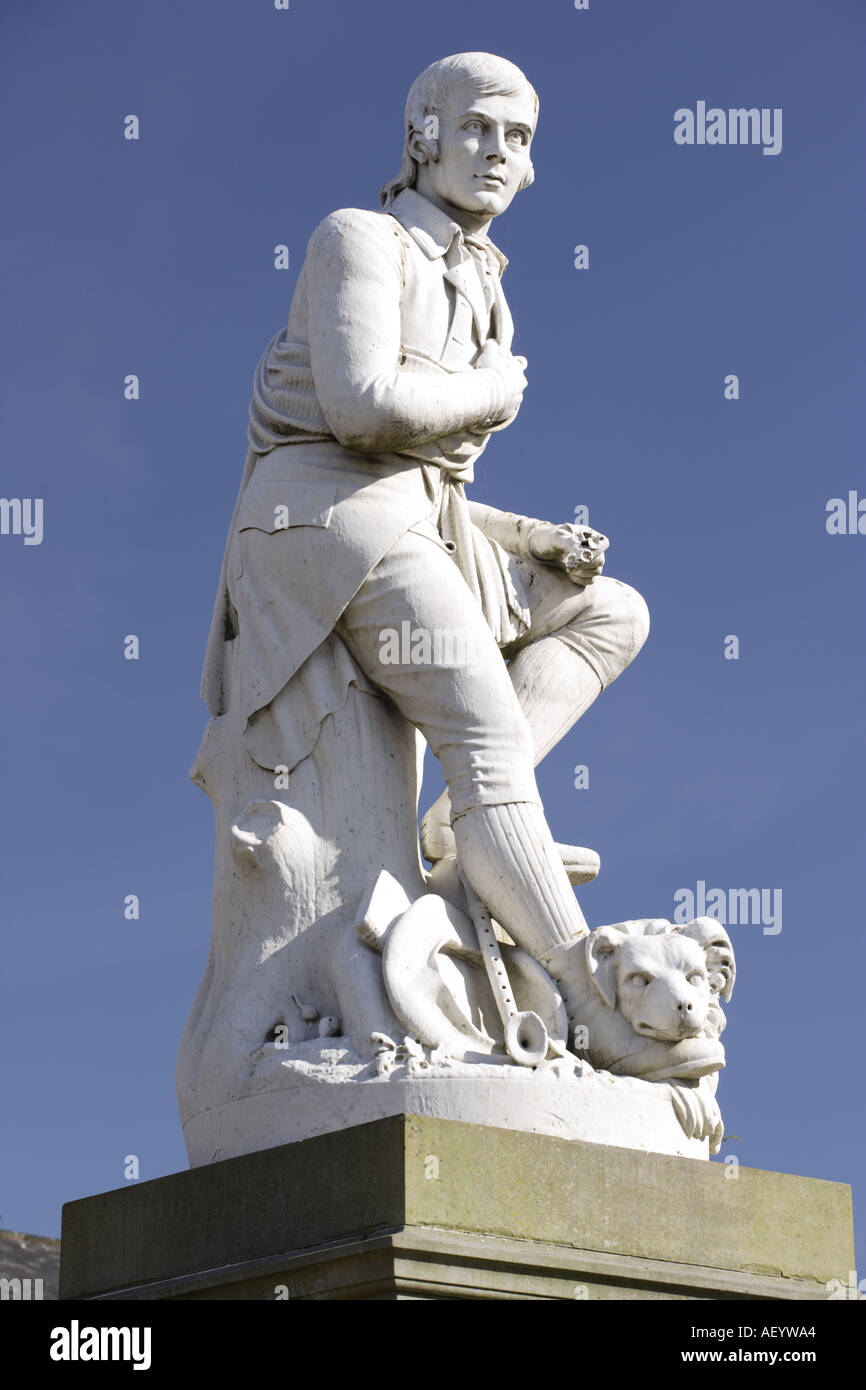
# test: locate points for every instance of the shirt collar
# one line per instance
(432, 229)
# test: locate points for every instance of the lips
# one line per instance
(675, 1032)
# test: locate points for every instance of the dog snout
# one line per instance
(688, 1018)
(670, 1010)
(691, 1013)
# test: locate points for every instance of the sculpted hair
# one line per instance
(489, 75)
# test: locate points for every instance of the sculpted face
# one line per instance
(483, 144)
(660, 983)
(662, 987)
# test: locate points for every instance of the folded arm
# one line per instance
(354, 285)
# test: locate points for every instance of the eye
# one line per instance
(697, 977)
(518, 136)
(638, 980)
(474, 126)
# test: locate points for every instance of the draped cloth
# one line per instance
(486, 567)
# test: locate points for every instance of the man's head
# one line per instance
(469, 122)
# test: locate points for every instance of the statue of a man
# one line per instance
(352, 524)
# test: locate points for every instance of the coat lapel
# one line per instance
(435, 233)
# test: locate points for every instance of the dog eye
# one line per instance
(639, 980)
(697, 977)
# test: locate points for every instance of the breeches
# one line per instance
(419, 635)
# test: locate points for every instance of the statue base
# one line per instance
(410, 1207)
(597, 1108)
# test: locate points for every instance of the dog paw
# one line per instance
(698, 1113)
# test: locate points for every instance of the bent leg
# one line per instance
(458, 693)
(580, 639)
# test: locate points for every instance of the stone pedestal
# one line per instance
(600, 1109)
(411, 1207)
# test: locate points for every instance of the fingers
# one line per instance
(581, 573)
(490, 353)
(494, 352)
(591, 537)
(580, 579)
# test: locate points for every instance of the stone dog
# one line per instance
(649, 998)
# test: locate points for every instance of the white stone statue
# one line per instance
(367, 606)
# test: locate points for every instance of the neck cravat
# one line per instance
(485, 264)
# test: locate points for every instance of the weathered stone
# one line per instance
(425, 1208)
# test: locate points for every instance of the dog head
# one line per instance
(664, 979)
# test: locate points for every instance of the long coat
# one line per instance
(353, 439)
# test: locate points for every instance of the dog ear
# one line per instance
(719, 952)
(722, 970)
(601, 948)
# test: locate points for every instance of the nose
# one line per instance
(684, 1008)
(497, 149)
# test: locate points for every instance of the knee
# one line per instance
(610, 602)
(613, 627)
(632, 615)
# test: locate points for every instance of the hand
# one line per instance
(513, 369)
(577, 549)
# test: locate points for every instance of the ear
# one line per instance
(719, 952)
(601, 948)
(422, 148)
(528, 179)
(721, 969)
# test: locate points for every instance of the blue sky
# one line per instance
(155, 257)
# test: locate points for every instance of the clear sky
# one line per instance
(156, 257)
